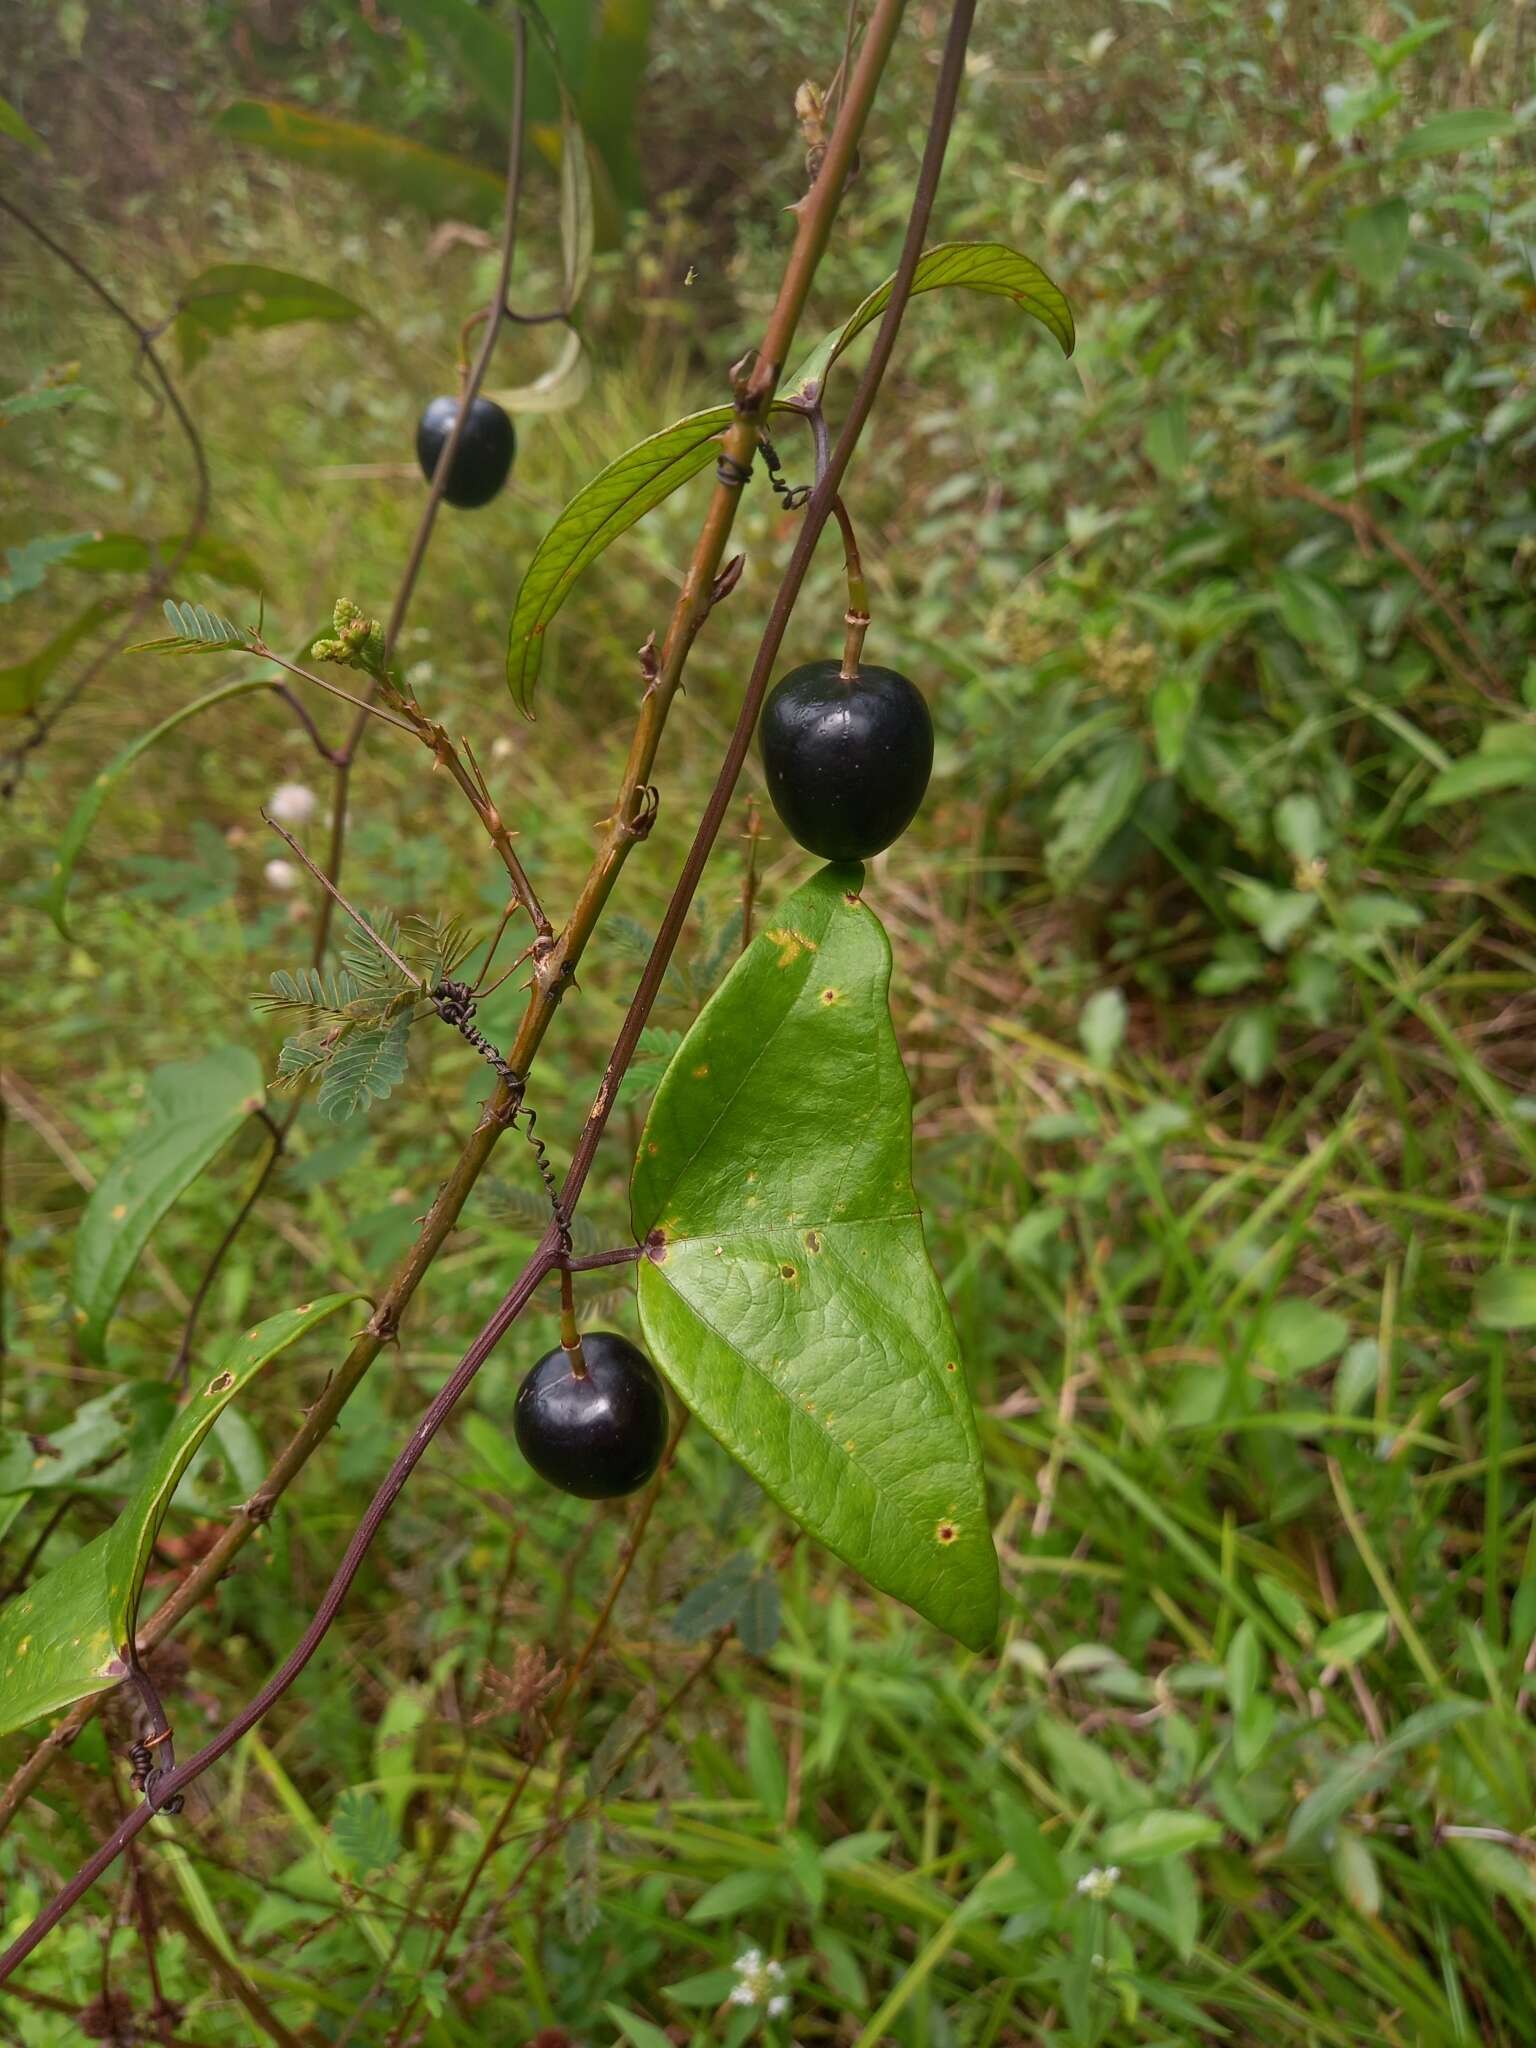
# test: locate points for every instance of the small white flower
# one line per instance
(757, 1983)
(1098, 1884)
(292, 803)
(281, 875)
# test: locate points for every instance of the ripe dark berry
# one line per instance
(599, 1436)
(847, 761)
(484, 454)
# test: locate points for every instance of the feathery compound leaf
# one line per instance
(363, 1070)
(196, 630)
(370, 968)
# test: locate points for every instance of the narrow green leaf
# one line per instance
(1350, 1638)
(975, 266)
(23, 682)
(1449, 133)
(194, 1107)
(392, 169)
(232, 296)
(640, 2033)
(576, 232)
(1161, 1832)
(46, 398)
(83, 816)
(68, 1635)
(1505, 1298)
(131, 554)
(12, 124)
(791, 1302)
(600, 511)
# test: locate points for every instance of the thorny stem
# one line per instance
(815, 216)
(161, 579)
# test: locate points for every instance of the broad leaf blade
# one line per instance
(403, 173)
(195, 1108)
(66, 1636)
(793, 1306)
(83, 817)
(249, 295)
(976, 266)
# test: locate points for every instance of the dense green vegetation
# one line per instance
(1215, 976)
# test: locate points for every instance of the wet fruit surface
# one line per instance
(847, 762)
(600, 1436)
(484, 454)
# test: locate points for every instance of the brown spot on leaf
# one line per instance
(830, 995)
(700, 1072)
(812, 1241)
(222, 1384)
(787, 1272)
(946, 1532)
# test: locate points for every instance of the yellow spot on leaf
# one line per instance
(831, 995)
(790, 944)
(699, 1073)
(119, 1212)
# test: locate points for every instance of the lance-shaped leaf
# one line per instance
(194, 1109)
(403, 173)
(788, 1295)
(100, 787)
(975, 266)
(23, 682)
(67, 1636)
(236, 295)
(650, 471)
(600, 511)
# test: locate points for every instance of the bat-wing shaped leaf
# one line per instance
(788, 1296)
(66, 1636)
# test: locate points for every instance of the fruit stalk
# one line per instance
(856, 618)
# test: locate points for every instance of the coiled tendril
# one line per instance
(454, 1002)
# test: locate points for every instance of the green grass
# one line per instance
(1255, 1425)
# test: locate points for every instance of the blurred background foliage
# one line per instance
(1215, 977)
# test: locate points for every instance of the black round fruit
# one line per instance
(847, 760)
(484, 454)
(599, 1436)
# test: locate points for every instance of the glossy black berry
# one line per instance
(599, 1436)
(484, 454)
(847, 762)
